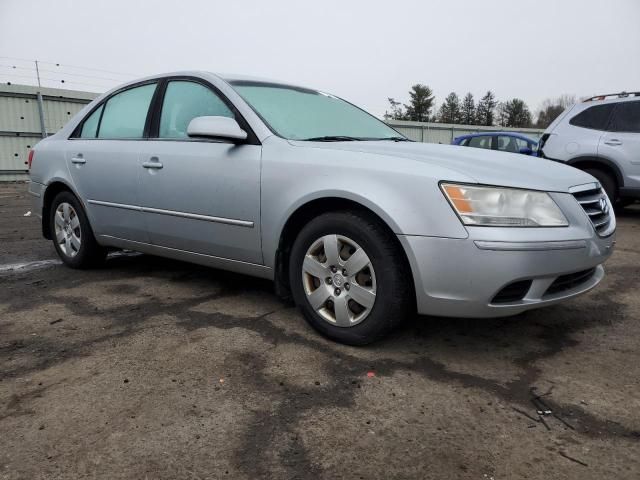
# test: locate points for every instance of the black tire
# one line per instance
(394, 295)
(90, 253)
(608, 183)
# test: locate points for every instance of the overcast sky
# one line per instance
(362, 50)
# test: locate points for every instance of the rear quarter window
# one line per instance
(595, 118)
(90, 125)
(627, 118)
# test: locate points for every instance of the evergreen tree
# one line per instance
(518, 114)
(420, 104)
(468, 110)
(450, 109)
(485, 109)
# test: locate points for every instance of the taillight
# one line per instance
(30, 160)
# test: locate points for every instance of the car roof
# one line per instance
(225, 77)
(236, 78)
(508, 134)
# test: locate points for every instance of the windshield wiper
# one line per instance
(332, 138)
(394, 139)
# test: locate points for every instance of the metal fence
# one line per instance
(445, 132)
(27, 114)
(26, 117)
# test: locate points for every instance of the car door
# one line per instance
(200, 195)
(507, 143)
(480, 141)
(103, 157)
(621, 143)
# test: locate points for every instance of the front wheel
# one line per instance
(349, 277)
(72, 235)
(607, 182)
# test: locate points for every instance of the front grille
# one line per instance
(569, 281)
(513, 292)
(595, 204)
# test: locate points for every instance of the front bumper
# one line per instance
(461, 277)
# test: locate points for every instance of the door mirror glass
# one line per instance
(216, 127)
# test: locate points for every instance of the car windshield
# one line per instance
(302, 114)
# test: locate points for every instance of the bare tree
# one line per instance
(552, 107)
(397, 111)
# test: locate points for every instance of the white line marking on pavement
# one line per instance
(12, 267)
(27, 266)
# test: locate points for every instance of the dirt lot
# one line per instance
(149, 368)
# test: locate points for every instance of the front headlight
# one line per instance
(503, 207)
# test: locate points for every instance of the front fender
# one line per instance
(406, 197)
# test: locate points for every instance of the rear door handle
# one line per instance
(78, 159)
(153, 163)
(613, 142)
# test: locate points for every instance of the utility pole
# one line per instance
(43, 128)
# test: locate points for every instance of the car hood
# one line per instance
(484, 166)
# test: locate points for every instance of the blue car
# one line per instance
(503, 141)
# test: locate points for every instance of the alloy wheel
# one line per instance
(67, 229)
(339, 280)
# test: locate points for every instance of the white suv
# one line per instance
(601, 136)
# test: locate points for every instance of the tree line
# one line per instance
(488, 111)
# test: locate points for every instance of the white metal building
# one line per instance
(20, 124)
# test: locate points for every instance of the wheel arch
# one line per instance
(601, 163)
(53, 189)
(305, 212)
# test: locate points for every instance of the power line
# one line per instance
(57, 80)
(92, 69)
(73, 74)
(57, 64)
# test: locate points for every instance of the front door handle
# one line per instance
(78, 159)
(614, 142)
(153, 163)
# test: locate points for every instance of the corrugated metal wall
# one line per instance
(445, 132)
(20, 122)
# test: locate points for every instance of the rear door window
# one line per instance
(125, 113)
(507, 144)
(626, 118)
(480, 142)
(595, 118)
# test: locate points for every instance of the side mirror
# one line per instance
(526, 151)
(216, 127)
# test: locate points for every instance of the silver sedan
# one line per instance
(360, 226)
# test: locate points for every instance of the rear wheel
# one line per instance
(349, 277)
(608, 183)
(72, 236)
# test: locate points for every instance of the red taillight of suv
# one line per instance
(30, 160)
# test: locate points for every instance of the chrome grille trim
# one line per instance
(596, 205)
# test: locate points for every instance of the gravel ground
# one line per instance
(150, 368)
